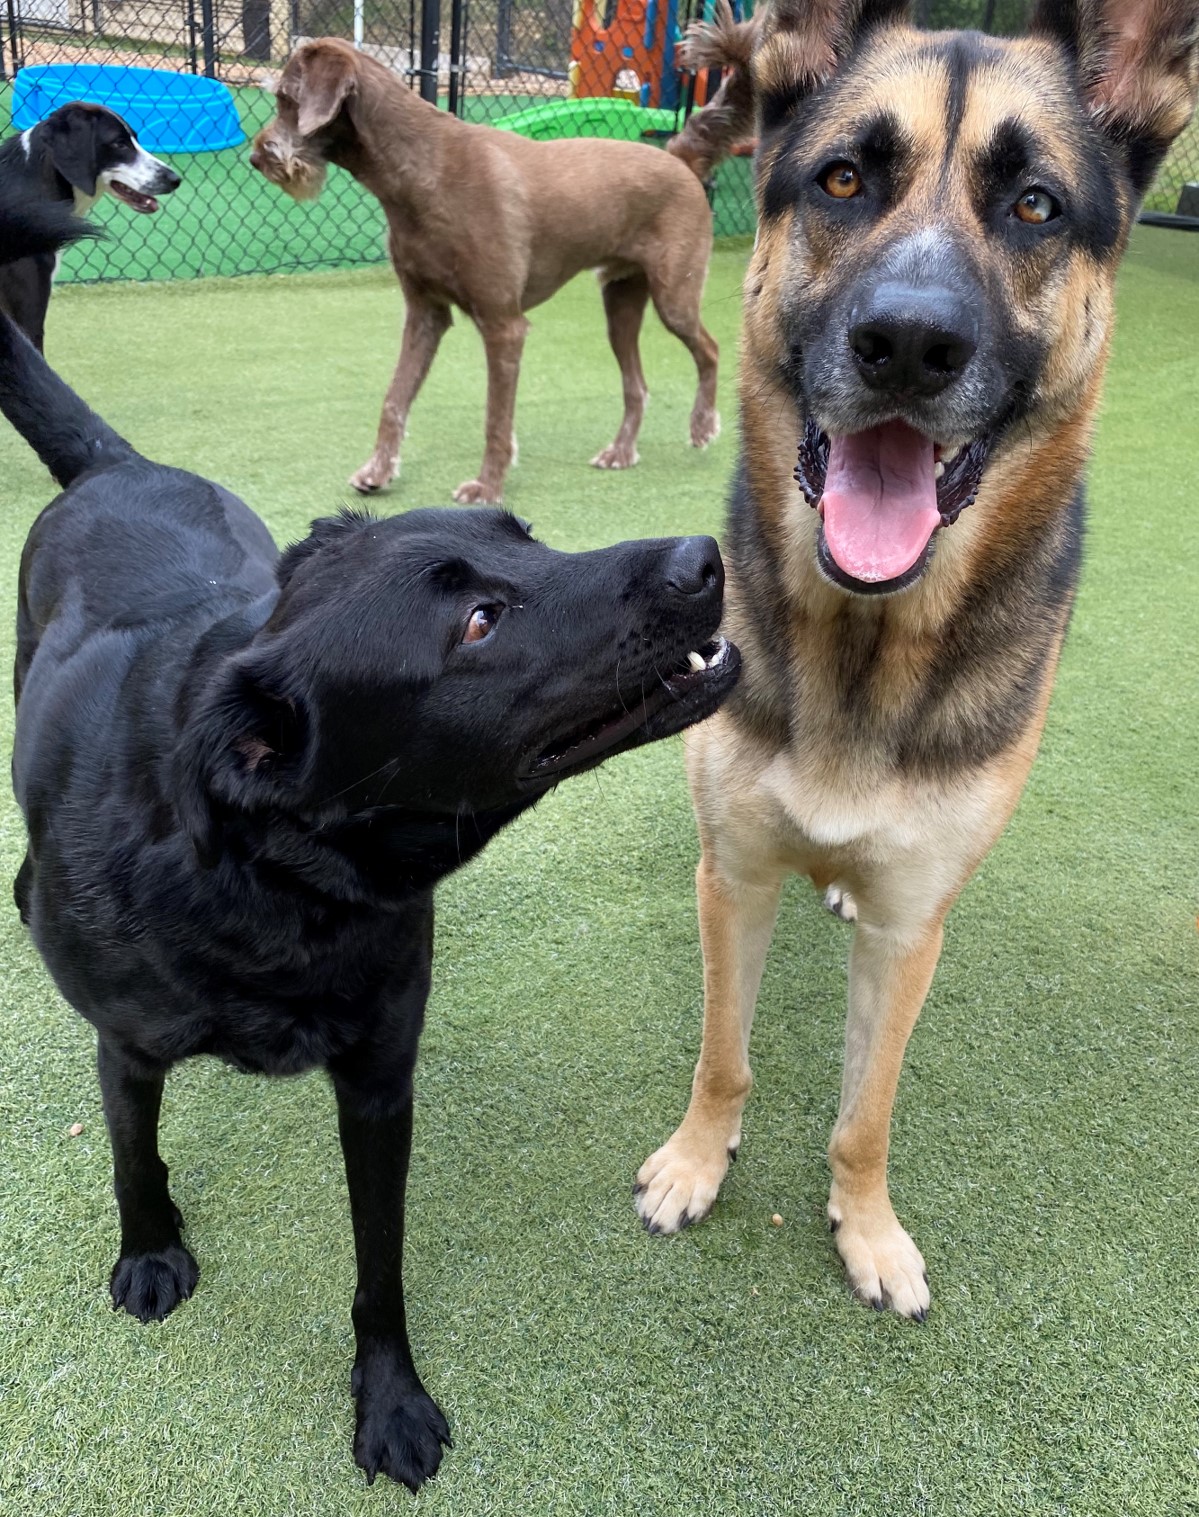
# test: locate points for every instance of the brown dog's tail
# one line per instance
(714, 131)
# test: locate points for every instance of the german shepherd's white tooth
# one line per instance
(696, 662)
(939, 468)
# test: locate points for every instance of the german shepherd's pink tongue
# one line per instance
(880, 501)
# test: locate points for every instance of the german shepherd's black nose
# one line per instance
(694, 568)
(911, 339)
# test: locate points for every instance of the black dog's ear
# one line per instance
(246, 748)
(322, 532)
(1138, 67)
(71, 138)
(802, 42)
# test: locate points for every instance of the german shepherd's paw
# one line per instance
(841, 903)
(150, 1286)
(375, 475)
(400, 1429)
(475, 493)
(884, 1266)
(613, 457)
(705, 428)
(677, 1185)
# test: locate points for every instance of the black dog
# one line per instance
(71, 157)
(243, 774)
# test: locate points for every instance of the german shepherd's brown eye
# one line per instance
(1036, 207)
(482, 623)
(841, 180)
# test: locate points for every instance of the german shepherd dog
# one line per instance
(927, 317)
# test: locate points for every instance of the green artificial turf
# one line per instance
(1044, 1142)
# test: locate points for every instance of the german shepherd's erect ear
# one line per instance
(802, 42)
(1138, 67)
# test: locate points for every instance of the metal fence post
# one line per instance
(457, 54)
(503, 39)
(208, 31)
(430, 48)
(13, 41)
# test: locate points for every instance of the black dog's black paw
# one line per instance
(149, 1286)
(400, 1429)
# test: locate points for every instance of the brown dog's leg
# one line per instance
(889, 976)
(677, 1185)
(677, 303)
(625, 301)
(424, 326)
(504, 340)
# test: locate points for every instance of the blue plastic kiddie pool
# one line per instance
(169, 113)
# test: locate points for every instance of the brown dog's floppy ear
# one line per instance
(802, 42)
(328, 78)
(1138, 64)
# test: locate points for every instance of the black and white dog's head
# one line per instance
(92, 149)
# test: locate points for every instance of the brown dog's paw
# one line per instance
(374, 476)
(705, 428)
(401, 1431)
(677, 1185)
(884, 1266)
(150, 1286)
(475, 493)
(616, 458)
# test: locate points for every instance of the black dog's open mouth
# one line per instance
(146, 204)
(883, 494)
(684, 694)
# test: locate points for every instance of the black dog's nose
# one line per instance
(694, 567)
(173, 180)
(912, 339)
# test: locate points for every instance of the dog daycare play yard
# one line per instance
(1042, 1151)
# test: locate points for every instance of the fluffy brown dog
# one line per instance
(927, 318)
(495, 224)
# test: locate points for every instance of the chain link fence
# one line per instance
(547, 68)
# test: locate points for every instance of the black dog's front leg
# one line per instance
(400, 1428)
(154, 1272)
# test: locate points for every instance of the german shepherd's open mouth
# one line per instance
(883, 494)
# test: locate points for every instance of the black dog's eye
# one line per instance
(1036, 207)
(841, 180)
(482, 623)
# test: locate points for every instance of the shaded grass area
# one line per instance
(1044, 1143)
(226, 219)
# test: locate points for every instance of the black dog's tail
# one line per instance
(65, 435)
(29, 226)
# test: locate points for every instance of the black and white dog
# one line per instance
(73, 156)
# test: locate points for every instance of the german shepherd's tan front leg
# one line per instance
(889, 976)
(677, 1185)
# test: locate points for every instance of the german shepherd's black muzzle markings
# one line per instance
(927, 317)
(243, 773)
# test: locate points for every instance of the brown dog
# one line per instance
(927, 317)
(494, 224)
